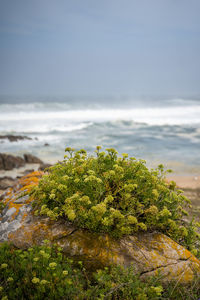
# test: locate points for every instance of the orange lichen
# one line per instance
(16, 206)
(30, 180)
(27, 188)
(26, 182)
(35, 173)
(7, 200)
(104, 250)
(29, 234)
(24, 217)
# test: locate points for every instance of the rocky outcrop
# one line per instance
(6, 182)
(150, 253)
(31, 159)
(9, 162)
(43, 166)
(14, 138)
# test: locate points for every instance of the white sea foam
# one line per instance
(42, 128)
(152, 116)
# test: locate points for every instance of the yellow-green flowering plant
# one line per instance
(112, 194)
(59, 277)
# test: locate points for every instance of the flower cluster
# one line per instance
(112, 194)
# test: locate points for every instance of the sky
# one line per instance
(99, 47)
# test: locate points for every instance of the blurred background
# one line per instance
(122, 74)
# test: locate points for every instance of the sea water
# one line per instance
(159, 130)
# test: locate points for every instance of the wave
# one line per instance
(34, 106)
(42, 128)
(152, 116)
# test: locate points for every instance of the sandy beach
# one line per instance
(186, 181)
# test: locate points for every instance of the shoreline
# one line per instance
(186, 181)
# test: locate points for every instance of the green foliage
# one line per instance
(39, 273)
(115, 195)
(45, 273)
(2, 206)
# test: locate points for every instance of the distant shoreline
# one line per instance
(186, 181)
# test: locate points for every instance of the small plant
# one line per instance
(38, 273)
(114, 195)
(44, 273)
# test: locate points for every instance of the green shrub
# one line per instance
(43, 272)
(114, 195)
(39, 273)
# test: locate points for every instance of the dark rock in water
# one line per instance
(14, 138)
(9, 162)
(6, 182)
(46, 144)
(44, 166)
(31, 159)
(152, 253)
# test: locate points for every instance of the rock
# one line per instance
(10, 211)
(46, 145)
(27, 172)
(14, 138)
(31, 159)
(2, 194)
(150, 253)
(9, 162)
(43, 166)
(6, 182)
(1, 162)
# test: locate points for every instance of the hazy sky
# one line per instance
(100, 47)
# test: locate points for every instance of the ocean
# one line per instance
(159, 130)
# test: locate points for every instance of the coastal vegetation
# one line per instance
(115, 195)
(107, 194)
(43, 272)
